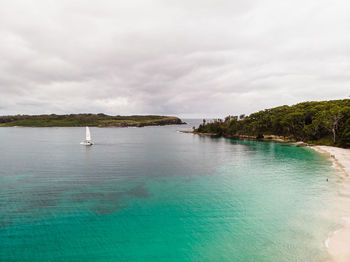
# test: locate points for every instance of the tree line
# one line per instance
(325, 122)
(75, 119)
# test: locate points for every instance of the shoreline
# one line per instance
(338, 242)
(139, 125)
(266, 138)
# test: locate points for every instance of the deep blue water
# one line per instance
(154, 194)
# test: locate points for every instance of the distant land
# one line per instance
(100, 120)
(321, 123)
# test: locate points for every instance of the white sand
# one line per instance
(340, 156)
(338, 243)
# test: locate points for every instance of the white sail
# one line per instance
(87, 141)
(88, 135)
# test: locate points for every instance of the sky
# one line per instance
(189, 58)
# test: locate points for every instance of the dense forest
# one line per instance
(101, 120)
(325, 122)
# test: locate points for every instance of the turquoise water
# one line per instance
(154, 194)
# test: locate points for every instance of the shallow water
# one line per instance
(154, 194)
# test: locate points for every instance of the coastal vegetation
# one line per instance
(101, 120)
(325, 122)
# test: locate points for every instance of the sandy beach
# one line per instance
(338, 243)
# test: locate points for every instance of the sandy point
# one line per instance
(338, 243)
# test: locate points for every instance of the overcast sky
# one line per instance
(191, 58)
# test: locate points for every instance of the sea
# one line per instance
(157, 194)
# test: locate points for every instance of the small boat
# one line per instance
(87, 141)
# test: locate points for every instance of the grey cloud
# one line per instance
(189, 58)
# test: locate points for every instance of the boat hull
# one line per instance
(86, 143)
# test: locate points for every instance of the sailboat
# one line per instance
(87, 141)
